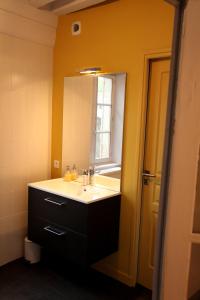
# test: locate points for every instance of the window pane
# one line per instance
(104, 94)
(103, 118)
(102, 145)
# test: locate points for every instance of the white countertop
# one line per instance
(75, 190)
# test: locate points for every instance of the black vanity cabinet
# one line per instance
(77, 232)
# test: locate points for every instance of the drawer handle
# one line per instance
(54, 202)
(54, 230)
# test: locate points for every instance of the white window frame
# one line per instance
(109, 159)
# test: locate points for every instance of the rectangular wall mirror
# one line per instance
(93, 117)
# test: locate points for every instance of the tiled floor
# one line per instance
(21, 281)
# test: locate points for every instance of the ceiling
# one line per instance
(62, 7)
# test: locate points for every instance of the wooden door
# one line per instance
(154, 146)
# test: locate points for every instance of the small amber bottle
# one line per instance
(67, 176)
(74, 173)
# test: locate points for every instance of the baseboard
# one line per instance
(10, 260)
(196, 296)
(114, 273)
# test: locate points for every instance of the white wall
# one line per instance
(184, 163)
(78, 101)
(26, 46)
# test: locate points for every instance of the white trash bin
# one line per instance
(31, 251)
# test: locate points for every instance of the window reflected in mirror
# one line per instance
(103, 119)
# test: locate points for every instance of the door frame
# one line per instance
(172, 96)
(148, 57)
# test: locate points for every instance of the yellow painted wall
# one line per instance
(115, 37)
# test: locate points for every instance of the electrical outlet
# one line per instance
(56, 164)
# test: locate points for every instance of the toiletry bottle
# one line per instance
(74, 174)
(85, 177)
(67, 176)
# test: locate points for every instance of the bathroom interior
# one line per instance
(83, 104)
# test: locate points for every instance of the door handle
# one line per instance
(54, 230)
(54, 202)
(146, 174)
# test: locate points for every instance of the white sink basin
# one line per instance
(74, 190)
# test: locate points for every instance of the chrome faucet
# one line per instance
(88, 176)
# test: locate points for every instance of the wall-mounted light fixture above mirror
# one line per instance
(88, 71)
(93, 117)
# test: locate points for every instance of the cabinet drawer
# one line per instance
(59, 210)
(60, 240)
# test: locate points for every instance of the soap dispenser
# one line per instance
(74, 173)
